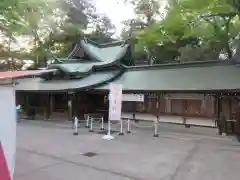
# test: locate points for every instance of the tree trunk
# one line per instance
(10, 59)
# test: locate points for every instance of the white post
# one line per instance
(108, 136)
(91, 125)
(75, 133)
(109, 128)
(128, 128)
(156, 128)
(121, 128)
(87, 122)
(102, 126)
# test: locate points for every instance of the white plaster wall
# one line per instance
(8, 125)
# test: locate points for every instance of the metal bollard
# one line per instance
(87, 122)
(102, 126)
(121, 129)
(156, 128)
(128, 127)
(75, 133)
(91, 125)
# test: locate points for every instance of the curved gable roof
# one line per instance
(102, 55)
(107, 53)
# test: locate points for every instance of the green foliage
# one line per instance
(51, 26)
(189, 29)
(215, 23)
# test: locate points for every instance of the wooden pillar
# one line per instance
(212, 106)
(51, 106)
(219, 109)
(46, 106)
(26, 105)
(215, 106)
(230, 107)
(74, 104)
(218, 112)
(168, 105)
(204, 103)
(184, 107)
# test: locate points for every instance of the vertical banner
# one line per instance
(115, 102)
(7, 132)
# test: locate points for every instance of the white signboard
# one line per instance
(115, 102)
(133, 97)
(7, 131)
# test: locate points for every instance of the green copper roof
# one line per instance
(73, 68)
(105, 53)
(87, 73)
(80, 68)
(226, 77)
(101, 55)
(200, 76)
(38, 84)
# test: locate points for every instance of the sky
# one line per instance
(117, 11)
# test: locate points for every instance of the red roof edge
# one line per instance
(16, 74)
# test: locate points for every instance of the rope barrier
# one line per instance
(140, 126)
(91, 121)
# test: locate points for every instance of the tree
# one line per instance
(217, 17)
(22, 17)
(103, 30)
(45, 22)
(199, 26)
(79, 11)
(10, 21)
(146, 11)
(52, 26)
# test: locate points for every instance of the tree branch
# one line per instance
(223, 15)
(227, 17)
(227, 25)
